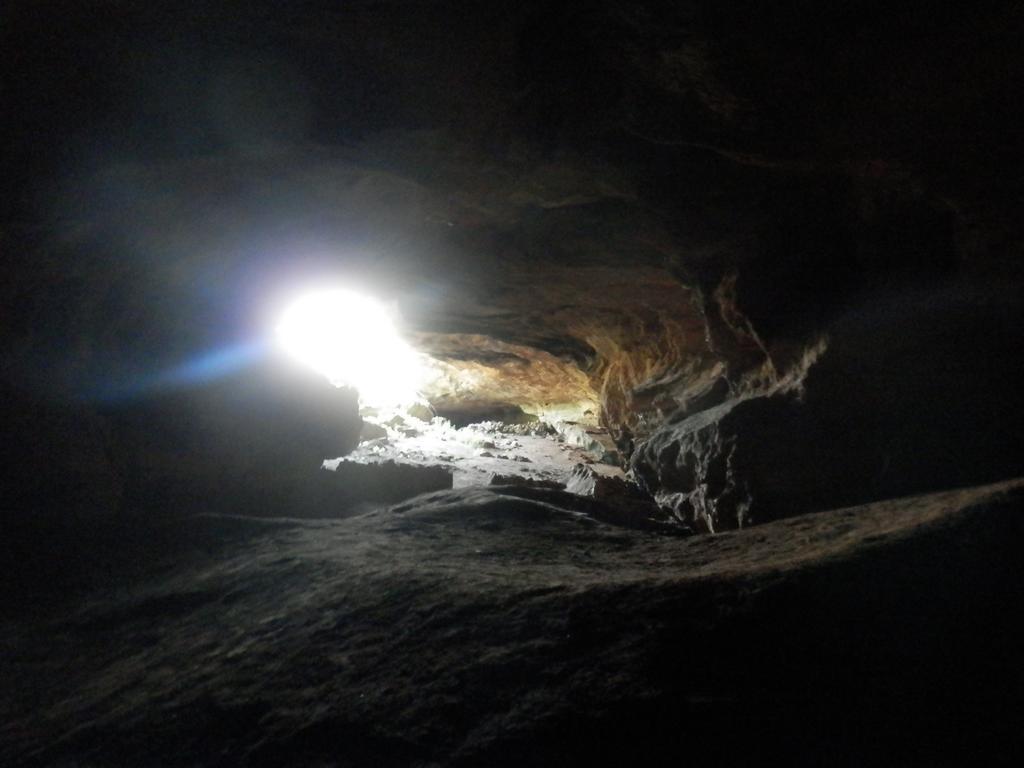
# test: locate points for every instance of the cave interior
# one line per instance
(407, 382)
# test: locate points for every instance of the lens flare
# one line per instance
(352, 340)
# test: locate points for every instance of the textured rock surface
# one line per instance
(914, 393)
(385, 481)
(583, 480)
(632, 504)
(474, 628)
(500, 479)
(240, 437)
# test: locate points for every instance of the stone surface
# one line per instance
(475, 628)
(504, 479)
(385, 481)
(700, 467)
(257, 435)
(629, 501)
(477, 453)
(905, 398)
(370, 431)
(583, 480)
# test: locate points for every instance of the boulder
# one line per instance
(910, 396)
(626, 499)
(370, 431)
(585, 481)
(498, 478)
(384, 482)
(421, 411)
(711, 467)
(234, 444)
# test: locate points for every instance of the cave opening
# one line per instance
(356, 341)
(351, 339)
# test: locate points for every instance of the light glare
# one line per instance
(351, 340)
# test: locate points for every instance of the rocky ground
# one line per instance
(488, 452)
(475, 627)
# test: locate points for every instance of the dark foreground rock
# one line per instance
(258, 435)
(627, 498)
(56, 455)
(476, 628)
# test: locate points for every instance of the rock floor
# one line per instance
(471, 627)
(476, 453)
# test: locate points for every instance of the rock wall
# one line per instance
(914, 391)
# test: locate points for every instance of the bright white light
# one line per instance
(351, 340)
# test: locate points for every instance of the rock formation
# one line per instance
(745, 265)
